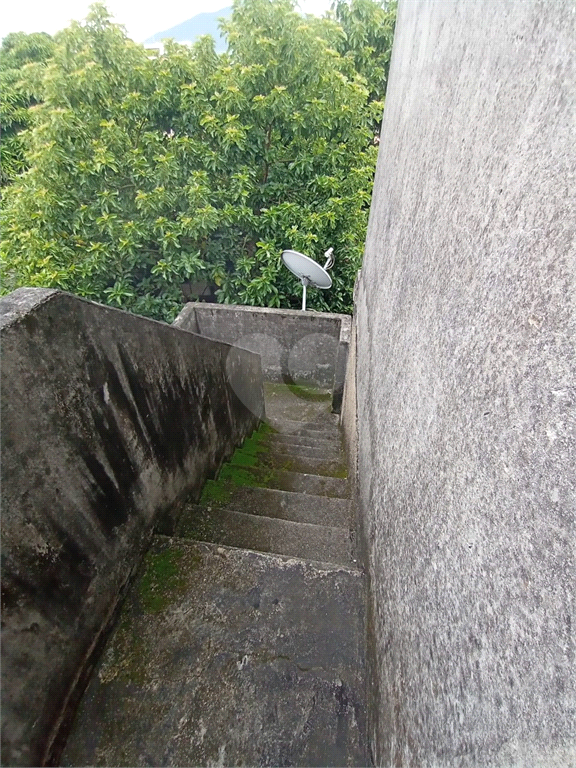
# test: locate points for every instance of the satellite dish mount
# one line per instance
(308, 271)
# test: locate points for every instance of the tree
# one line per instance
(368, 29)
(22, 62)
(150, 173)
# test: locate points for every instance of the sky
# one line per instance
(142, 18)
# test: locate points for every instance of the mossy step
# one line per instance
(331, 453)
(327, 544)
(272, 502)
(258, 452)
(286, 480)
(299, 462)
(284, 427)
(306, 441)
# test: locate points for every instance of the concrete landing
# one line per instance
(229, 657)
(298, 403)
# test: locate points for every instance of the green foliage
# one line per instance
(367, 40)
(149, 174)
(22, 63)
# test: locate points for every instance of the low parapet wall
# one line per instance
(296, 347)
(107, 419)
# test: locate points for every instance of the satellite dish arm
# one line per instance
(329, 256)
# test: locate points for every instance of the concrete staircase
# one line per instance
(242, 642)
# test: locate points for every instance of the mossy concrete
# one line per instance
(253, 660)
(107, 420)
(274, 502)
(225, 525)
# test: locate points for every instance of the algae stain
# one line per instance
(311, 394)
(238, 471)
(162, 581)
(126, 656)
(216, 492)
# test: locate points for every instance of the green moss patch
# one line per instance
(241, 476)
(216, 492)
(244, 469)
(162, 581)
(311, 394)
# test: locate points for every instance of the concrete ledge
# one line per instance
(296, 347)
(107, 419)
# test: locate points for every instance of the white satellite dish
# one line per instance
(309, 271)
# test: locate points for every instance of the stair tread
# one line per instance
(302, 482)
(329, 544)
(317, 465)
(278, 503)
(305, 441)
(246, 659)
(333, 453)
(287, 426)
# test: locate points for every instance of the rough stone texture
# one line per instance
(307, 441)
(311, 410)
(349, 409)
(466, 389)
(288, 505)
(106, 419)
(326, 544)
(302, 482)
(289, 427)
(301, 347)
(248, 659)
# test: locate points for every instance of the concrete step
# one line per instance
(298, 482)
(286, 427)
(229, 657)
(326, 544)
(289, 480)
(329, 465)
(306, 441)
(272, 502)
(332, 453)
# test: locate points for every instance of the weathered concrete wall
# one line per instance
(349, 409)
(295, 346)
(466, 389)
(107, 419)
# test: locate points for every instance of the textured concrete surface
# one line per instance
(289, 427)
(107, 418)
(295, 346)
(301, 482)
(288, 505)
(307, 441)
(466, 389)
(243, 659)
(306, 408)
(234, 513)
(326, 544)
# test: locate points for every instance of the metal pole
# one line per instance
(303, 296)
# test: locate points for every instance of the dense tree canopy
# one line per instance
(22, 63)
(151, 175)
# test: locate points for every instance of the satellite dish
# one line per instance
(309, 271)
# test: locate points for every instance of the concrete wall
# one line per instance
(107, 419)
(466, 373)
(295, 346)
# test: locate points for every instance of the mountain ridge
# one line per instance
(189, 30)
